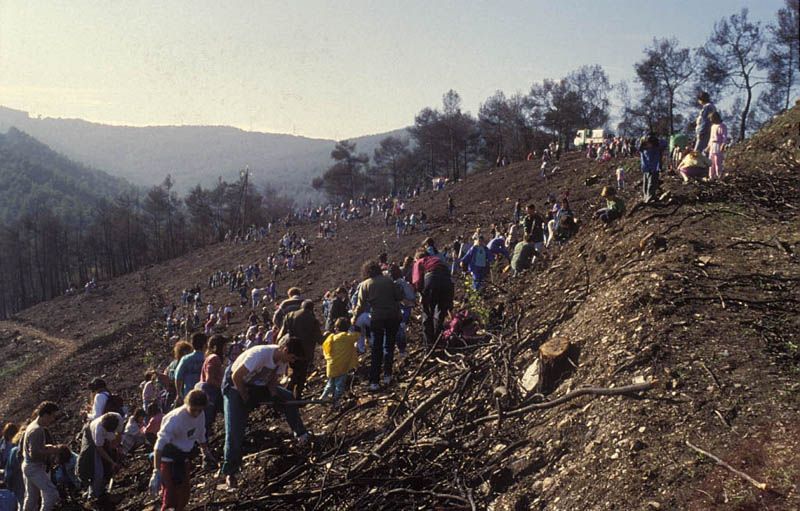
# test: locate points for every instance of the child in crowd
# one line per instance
(615, 206)
(620, 178)
(339, 349)
(133, 435)
(154, 416)
(149, 388)
(717, 143)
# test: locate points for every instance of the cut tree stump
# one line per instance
(556, 363)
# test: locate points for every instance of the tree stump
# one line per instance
(556, 364)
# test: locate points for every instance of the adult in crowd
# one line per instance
(702, 128)
(523, 255)
(187, 372)
(379, 292)
(211, 378)
(37, 452)
(99, 398)
(179, 350)
(97, 459)
(432, 279)
(533, 225)
(292, 303)
(301, 332)
(249, 382)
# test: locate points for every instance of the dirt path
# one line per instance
(22, 386)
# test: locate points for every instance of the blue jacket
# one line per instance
(498, 247)
(651, 158)
(472, 261)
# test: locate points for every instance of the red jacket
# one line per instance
(422, 266)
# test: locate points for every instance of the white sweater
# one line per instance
(182, 430)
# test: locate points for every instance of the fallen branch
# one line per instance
(760, 486)
(593, 391)
(400, 430)
(444, 496)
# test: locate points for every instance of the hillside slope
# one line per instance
(33, 175)
(697, 295)
(191, 154)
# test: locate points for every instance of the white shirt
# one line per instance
(98, 405)
(180, 429)
(260, 362)
(100, 436)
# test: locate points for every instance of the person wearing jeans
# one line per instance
(383, 296)
(384, 336)
(249, 382)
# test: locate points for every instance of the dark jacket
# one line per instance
(302, 325)
(533, 225)
(286, 306)
(383, 297)
(338, 310)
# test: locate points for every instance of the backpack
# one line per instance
(114, 404)
(462, 326)
(479, 257)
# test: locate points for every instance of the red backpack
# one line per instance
(462, 326)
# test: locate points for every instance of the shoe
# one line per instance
(374, 387)
(304, 439)
(387, 379)
(232, 482)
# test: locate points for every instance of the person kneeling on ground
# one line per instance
(340, 353)
(615, 206)
(182, 430)
(248, 382)
(523, 255)
(694, 165)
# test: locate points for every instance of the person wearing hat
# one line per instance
(703, 123)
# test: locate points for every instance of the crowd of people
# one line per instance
(219, 372)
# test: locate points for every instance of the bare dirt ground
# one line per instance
(699, 295)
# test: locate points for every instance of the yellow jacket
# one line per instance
(340, 353)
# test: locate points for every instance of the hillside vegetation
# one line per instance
(33, 178)
(694, 299)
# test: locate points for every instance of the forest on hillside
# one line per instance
(63, 224)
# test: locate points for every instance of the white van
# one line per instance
(583, 137)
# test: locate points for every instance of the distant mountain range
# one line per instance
(33, 177)
(191, 154)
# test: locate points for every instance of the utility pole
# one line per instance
(244, 174)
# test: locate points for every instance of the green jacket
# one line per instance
(383, 297)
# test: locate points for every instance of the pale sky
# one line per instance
(335, 69)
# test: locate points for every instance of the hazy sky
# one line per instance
(323, 69)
